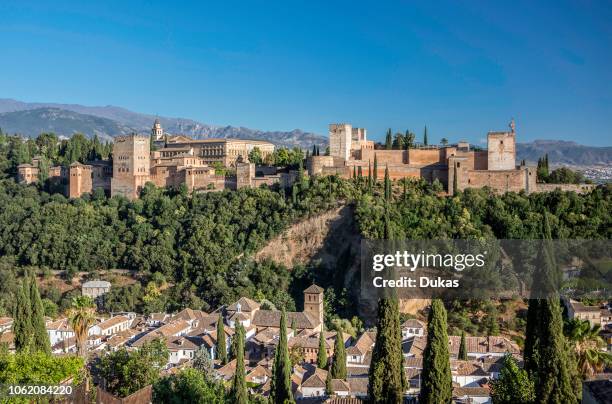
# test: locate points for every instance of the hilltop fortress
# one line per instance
(455, 166)
(175, 161)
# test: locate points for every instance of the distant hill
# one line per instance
(564, 152)
(31, 119)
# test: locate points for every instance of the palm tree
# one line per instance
(81, 316)
(587, 345)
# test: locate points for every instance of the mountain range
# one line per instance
(31, 119)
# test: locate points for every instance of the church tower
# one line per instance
(313, 302)
(157, 131)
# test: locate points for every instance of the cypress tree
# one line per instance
(294, 194)
(462, 348)
(455, 180)
(221, 345)
(375, 173)
(550, 361)
(389, 140)
(369, 176)
(386, 378)
(239, 387)
(314, 150)
(338, 367)
(40, 337)
(280, 389)
(425, 141)
(532, 340)
(387, 184)
(329, 389)
(436, 381)
(22, 326)
(293, 327)
(322, 354)
(354, 172)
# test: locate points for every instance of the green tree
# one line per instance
(388, 140)
(280, 390)
(40, 337)
(436, 382)
(513, 385)
(387, 184)
(221, 343)
(322, 354)
(126, 372)
(329, 388)
(462, 348)
(338, 367)
(203, 362)
(188, 386)
(255, 156)
(588, 346)
(22, 319)
(387, 380)
(375, 173)
(444, 141)
(425, 141)
(239, 388)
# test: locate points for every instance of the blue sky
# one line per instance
(461, 68)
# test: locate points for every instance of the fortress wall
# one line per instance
(426, 156)
(315, 164)
(499, 181)
(578, 188)
(385, 156)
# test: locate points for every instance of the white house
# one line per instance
(412, 328)
(111, 326)
(59, 330)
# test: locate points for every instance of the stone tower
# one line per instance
(340, 140)
(131, 165)
(245, 172)
(79, 180)
(313, 302)
(502, 149)
(157, 131)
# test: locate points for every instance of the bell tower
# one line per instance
(157, 131)
(313, 302)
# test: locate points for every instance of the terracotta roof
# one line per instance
(4, 321)
(344, 400)
(340, 385)
(165, 330)
(467, 368)
(271, 318)
(363, 344)
(246, 304)
(190, 314)
(239, 316)
(314, 289)
(483, 345)
(317, 379)
(413, 323)
(470, 391)
(113, 321)
(582, 308)
(258, 372)
(61, 324)
(178, 343)
(358, 385)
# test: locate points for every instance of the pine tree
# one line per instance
(322, 354)
(387, 184)
(387, 380)
(338, 367)
(239, 387)
(221, 343)
(462, 348)
(280, 389)
(22, 326)
(436, 381)
(375, 173)
(389, 140)
(40, 337)
(425, 141)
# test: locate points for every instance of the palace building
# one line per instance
(456, 165)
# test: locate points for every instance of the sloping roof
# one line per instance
(271, 318)
(190, 314)
(317, 379)
(413, 323)
(165, 330)
(113, 321)
(246, 304)
(340, 385)
(470, 391)
(362, 345)
(314, 289)
(483, 345)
